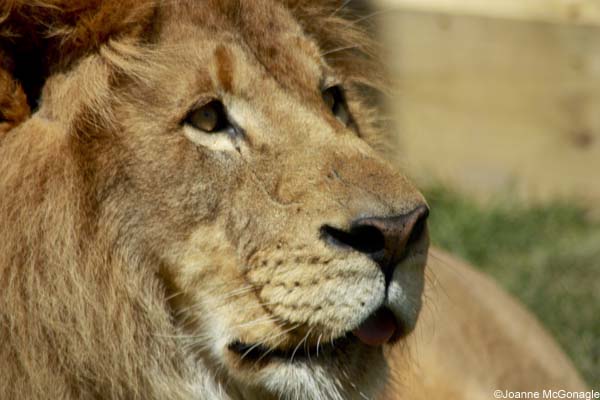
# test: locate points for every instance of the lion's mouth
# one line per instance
(380, 328)
(258, 353)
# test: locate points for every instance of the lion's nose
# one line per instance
(386, 240)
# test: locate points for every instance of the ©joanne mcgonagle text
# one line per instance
(547, 394)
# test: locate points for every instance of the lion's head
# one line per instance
(201, 194)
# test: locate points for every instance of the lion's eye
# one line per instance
(209, 118)
(335, 101)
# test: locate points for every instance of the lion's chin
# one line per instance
(345, 368)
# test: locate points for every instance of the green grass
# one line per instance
(548, 256)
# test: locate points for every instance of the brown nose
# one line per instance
(386, 240)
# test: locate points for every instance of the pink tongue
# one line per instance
(378, 329)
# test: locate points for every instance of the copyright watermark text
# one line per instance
(547, 394)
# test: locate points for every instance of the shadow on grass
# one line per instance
(548, 256)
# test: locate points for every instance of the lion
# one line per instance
(197, 202)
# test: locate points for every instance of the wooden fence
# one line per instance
(498, 96)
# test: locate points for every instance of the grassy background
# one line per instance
(548, 256)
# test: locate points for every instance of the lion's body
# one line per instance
(472, 339)
(137, 252)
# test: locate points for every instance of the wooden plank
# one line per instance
(495, 106)
(577, 12)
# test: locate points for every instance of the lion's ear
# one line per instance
(346, 43)
(14, 108)
(41, 37)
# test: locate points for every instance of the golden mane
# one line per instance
(80, 313)
(41, 37)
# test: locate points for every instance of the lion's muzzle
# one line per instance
(387, 241)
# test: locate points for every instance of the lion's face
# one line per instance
(290, 250)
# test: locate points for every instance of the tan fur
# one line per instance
(473, 339)
(134, 248)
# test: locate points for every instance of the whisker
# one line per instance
(275, 345)
(371, 15)
(349, 381)
(238, 292)
(340, 8)
(338, 49)
(319, 342)
(298, 346)
(257, 321)
(250, 350)
(307, 350)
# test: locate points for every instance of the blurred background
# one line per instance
(497, 108)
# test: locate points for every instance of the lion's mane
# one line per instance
(80, 316)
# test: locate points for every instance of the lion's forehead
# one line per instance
(263, 33)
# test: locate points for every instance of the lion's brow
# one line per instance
(224, 68)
